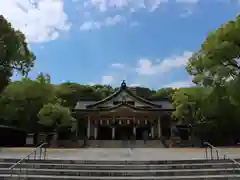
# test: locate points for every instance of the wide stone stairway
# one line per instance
(120, 170)
(125, 144)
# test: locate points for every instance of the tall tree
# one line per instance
(56, 118)
(22, 100)
(103, 90)
(217, 65)
(217, 61)
(188, 103)
(14, 53)
(142, 91)
(163, 93)
(70, 93)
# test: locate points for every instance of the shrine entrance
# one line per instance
(104, 133)
(143, 132)
(124, 132)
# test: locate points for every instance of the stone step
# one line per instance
(40, 177)
(121, 166)
(125, 144)
(117, 162)
(131, 173)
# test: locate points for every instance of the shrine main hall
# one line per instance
(125, 116)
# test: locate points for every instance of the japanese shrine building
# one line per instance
(125, 116)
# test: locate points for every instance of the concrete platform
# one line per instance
(120, 153)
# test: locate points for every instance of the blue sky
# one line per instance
(145, 42)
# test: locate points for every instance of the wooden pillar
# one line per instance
(95, 132)
(113, 128)
(152, 131)
(159, 127)
(77, 128)
(134, 130)
(134, 127)
(113, 132)
(89, 128)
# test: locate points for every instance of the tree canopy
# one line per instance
(24, 99)
(15, 54)
(215, 67)
(56, 117)
(217, 61)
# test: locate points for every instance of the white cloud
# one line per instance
(134, 85)
(90, 25)
(113, 20)
(186, 13)
(147, 67)
(131, 5)
(134, 24)
(40, 20)
(101, 8)
(92, 83)
(117, 65)
(188, 1)
(104, 5)
(152, 74)
(108, 21)
(179, 84)
(107, 79)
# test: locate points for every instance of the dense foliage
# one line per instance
(22, 100)
(14, 53)
(215, 67)
(211, 107)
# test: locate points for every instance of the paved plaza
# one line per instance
(120, 153)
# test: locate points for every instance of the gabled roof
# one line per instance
(121, 89)
(124, 105)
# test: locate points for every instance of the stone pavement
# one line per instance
(120, 153)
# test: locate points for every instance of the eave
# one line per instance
(120, 106)
(117, 93)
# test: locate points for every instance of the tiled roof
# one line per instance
(83, 104)
(92, 104)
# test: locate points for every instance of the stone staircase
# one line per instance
(120, 170)
(125, 144)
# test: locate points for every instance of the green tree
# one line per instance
(103, 90)
(216, 65)
(164, 93)
(142, 92)
(55, 117)
(223, 115)
(14, 53)
(217, 61)
(188, 103)
(22, 100)
(71, 93)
